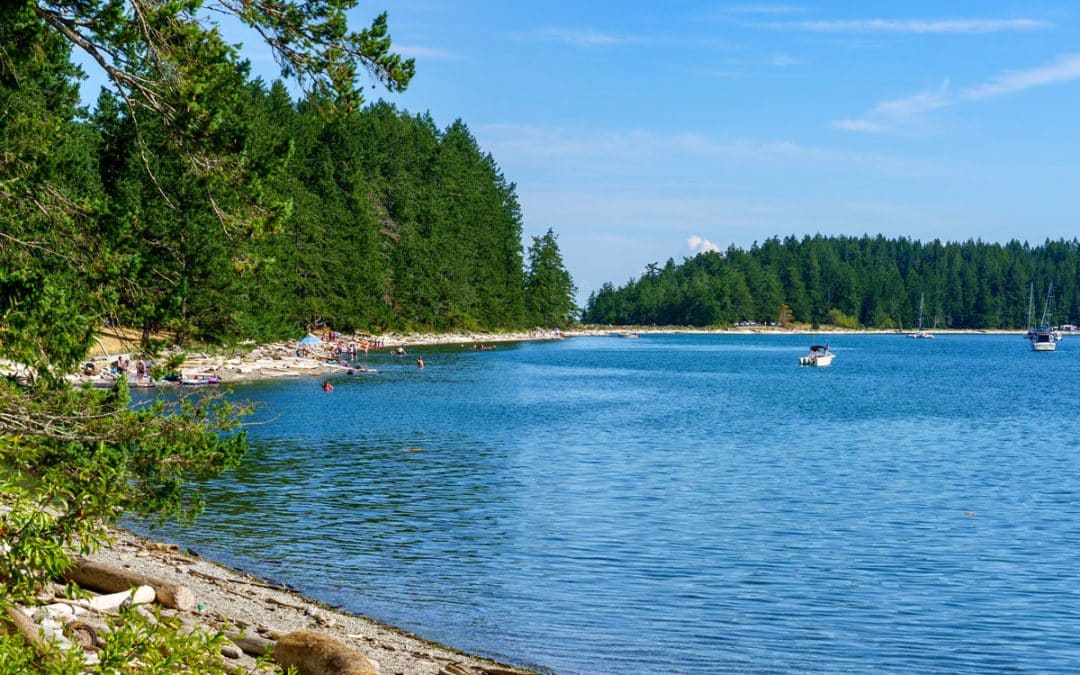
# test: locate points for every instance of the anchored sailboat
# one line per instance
(920, 333)
(1042, 336)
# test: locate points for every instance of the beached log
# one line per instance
(27, 628)
(139, 595)
(255, 645)
(108, 579)
(317, 654)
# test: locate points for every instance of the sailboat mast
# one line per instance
(1047, 306)
(1031, 305)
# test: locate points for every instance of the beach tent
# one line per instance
(311, 340)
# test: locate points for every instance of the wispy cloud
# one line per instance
(911, 25)
(422, 52)
(609, 152)
(698, 244)
(898, 115)
(923, 101)
(1064, 69)
(579, 37)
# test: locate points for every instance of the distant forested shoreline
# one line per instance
(873, 282)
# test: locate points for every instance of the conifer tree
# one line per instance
(549, 289)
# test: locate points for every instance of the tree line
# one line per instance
(848, 281)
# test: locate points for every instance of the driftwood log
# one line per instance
(108, 579)
(255, 645)
(28, 629)
(317, 654)
(138, 595)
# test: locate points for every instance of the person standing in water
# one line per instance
(420, 363)
(326, 386)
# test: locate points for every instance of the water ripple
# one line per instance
(683, 504)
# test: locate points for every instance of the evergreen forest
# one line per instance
(375, 220)
(852, 282)
(273, 215)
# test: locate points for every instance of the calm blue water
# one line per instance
(682, 504)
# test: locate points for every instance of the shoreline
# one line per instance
(277, 360)
(230, 598)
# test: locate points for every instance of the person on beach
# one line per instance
(420, 363)
(326, 386)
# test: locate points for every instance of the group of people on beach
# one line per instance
(121, 366)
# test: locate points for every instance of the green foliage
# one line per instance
(549, 290)
(135, 644)
(838, 318)
(851, 282)
(159, 647)
(84, 457)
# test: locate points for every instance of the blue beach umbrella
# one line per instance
(311, 340)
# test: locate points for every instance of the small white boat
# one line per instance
(819, 356)
(1042, 339)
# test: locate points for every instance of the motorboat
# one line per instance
(1042, 339)
(819, 356)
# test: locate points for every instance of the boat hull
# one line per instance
(816, 361)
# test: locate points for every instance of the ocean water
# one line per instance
(681, 504)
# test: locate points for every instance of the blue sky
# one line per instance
(646, 131)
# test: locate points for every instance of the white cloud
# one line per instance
(699, 245)
(898, 115)
(1064, 69)
(923, 101)
(617, 150)
(912, 25)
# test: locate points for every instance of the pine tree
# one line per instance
(549, 289)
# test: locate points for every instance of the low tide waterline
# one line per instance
(681, 504)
